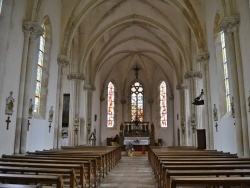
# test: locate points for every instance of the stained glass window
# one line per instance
(225, 67)
(1, 4)
(39, 71)
(163, 104)
(111, 105)
(136, 101)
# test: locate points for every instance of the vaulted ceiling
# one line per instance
(160, 35)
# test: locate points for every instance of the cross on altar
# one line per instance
(28, 128)
(8, 122)
(216, 126)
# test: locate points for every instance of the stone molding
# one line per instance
(202, 58)
(193, 74)
(63, 60)
(171, 98)
(150, 101)
(76, 76)
(230, 24)
(181, 87)
(89, 88)
(32, 29)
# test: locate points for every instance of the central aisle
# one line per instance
(132, 172)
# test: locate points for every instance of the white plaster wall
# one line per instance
(39, 137)
(225, 138)
(12, 61)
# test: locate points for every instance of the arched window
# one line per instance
(163, 104)
(225, 67)
(39, 71)
(111, 105)
(1, 4)
(43, 64)
(136, 93)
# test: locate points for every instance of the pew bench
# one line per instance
(215, 173)
(36, 179)
(209, 181)
(79, 168)
(65, 173)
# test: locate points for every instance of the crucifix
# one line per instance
(136, 69)
(49, 127)
(216, 126)
(28, 128)
(8, 122)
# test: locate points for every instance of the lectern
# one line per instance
(201, 138)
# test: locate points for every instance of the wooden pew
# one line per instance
(88, 164)
(65, 173)
(209, 181)
(217, 173)
(38, 179)
(79, 168)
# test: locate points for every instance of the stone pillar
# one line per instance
(181, 88)
(62, 61)
(123, 102)
(32, 30)
(203, 59)
(87, 128)
(151, 101)
(76, 79)
(192, 76)
(230, 26)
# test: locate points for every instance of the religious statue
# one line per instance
(30, 113)
(76, 120)
(232, 107)
(9, 104)
(51, 113)
(215, 113)
(152, 127)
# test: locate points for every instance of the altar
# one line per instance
(137, 141)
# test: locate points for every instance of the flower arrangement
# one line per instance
(129, 149)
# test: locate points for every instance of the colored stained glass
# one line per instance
(163, 104)
(225, 67)
(111, 105)
(136, 93)
(39, 71)
(1, 4)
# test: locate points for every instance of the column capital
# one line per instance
(230, 24)
(63, 60)
(32, 29)
(202, 58)
(193, 75)
(181, 87)
(76, 76)
(89, 87)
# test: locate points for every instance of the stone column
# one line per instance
(203, 59)
(62, 61)
(192, 76)
(230, 26)
(32, 30)
(151, 101)
(123, 102)
(87, 128)
(181, 88)
(76, 79)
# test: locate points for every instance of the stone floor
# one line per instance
(130, 172)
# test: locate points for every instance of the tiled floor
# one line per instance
(130, 172)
